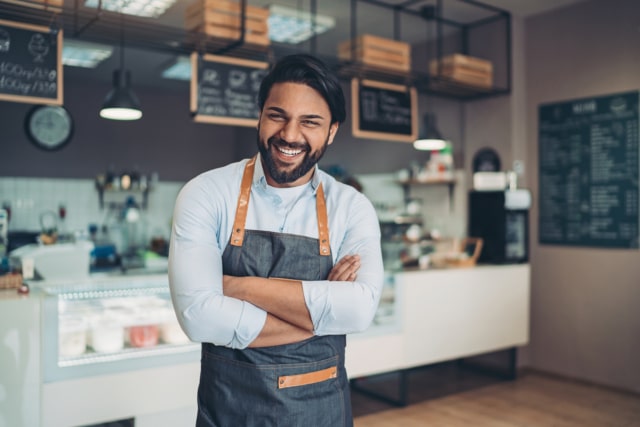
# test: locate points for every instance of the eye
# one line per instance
(310, 123)
(276, 117)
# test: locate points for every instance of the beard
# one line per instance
(280, 172)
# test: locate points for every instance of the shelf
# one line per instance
(440, 86)
(128, 353)
(144, 193)
(430, 182)
(404, 220)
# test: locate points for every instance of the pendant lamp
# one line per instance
(121, 103)
(430, 138)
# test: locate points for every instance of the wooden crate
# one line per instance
(221, 19)
(10, 281)
(463, 69)
(377, 52)
(48, 5)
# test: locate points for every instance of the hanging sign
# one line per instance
(30, 63)
(589, 172)
(224, 90)
(383, 111)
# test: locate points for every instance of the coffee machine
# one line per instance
(501, 219)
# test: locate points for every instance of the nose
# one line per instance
(290, 132)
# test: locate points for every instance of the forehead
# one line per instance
(297, 98)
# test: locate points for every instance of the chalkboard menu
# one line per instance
(224, 90)
(383, 111)
(589, 172)
(30, 63)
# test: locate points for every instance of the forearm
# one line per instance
(281, 298)
(277, 332)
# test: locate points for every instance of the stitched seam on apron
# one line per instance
(333, 360)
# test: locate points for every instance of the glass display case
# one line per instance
(111, 324)
(386, 313)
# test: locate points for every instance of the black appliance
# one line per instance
(501, 219)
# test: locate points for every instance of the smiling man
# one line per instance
(272, 262)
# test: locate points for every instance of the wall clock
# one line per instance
(49, 127)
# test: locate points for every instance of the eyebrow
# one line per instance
(304, 116)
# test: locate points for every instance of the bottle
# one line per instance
(446, 162)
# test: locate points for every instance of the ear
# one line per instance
(333, 130)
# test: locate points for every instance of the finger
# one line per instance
(345, 266)
(346, 274)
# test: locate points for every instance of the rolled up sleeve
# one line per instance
(348, 307)
(195, 276)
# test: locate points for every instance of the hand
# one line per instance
(345, 269)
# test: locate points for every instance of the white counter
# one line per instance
(439, 315)
(444, 315)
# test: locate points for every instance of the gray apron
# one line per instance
(303, 384)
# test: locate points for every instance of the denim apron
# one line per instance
(303, 384)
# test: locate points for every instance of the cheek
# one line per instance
(268, 129)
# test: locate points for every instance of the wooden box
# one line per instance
(463, 69)
(10, 281)
(377, 52)
(49, 5)
(221, 19)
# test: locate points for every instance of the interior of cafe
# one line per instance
(498, 142)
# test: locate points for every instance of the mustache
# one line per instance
(279, 142)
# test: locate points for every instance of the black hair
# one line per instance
(308, 70)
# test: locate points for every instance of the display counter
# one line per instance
(446, 314)
(98, 350)
(108, 348)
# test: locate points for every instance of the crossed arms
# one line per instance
(288, 319)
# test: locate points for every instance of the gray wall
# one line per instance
(585, 301)
(165, 140)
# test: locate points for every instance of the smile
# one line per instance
(289, 152)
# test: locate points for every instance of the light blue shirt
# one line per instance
(202, 223)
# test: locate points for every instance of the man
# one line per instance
(252, 270)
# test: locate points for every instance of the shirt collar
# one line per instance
(260, 180)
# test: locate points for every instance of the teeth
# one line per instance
(289, 152)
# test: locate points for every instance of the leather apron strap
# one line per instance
(237, 235)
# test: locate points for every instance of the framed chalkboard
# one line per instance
(30, 63)
(588, 172)
(383, 111)
(224, 90)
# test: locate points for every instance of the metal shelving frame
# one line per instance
(102, 26)
(422, 80)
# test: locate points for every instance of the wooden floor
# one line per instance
(531, 400)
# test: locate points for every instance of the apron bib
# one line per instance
(301, 384)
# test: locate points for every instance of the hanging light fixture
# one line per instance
(430, 138)
(121, 103)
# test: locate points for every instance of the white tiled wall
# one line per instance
(29, 198)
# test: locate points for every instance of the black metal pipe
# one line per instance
(397, 27)
(314, 36)
(354, 11)
(410, 12)
(508, 47)
(486, 21)
(439, 35)
(484, 6)
(97, 16)
(240, 41)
